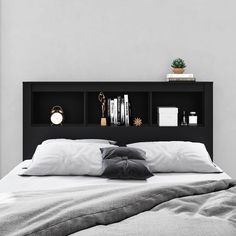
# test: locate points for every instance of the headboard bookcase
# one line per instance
(83, 111)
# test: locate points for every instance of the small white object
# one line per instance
(57, 115)
(192, 119)
(167, 116)
(56, 118)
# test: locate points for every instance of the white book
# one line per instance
(181, 79)
(115, 112)
(126, 102)
(112, 112)
(170, 76)
(122, 111)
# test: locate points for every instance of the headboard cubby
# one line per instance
(71, 102)
(82, 109)
(185, 101)
(139, 100)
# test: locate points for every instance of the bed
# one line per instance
(164, 204)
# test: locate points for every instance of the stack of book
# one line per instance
(118, 110)
(180, 77)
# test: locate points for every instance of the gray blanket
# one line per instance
(201, 208)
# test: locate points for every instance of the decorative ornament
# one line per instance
(138, 121)
(102, 100)
(184, 122)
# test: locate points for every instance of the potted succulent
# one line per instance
(178, 66)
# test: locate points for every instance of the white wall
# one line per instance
(117, 40)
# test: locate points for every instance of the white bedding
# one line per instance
(13, 182)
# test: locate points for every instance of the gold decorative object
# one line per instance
(138, 121)
(102, 99)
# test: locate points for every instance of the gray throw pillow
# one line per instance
(125, 163)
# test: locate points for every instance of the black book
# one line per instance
(119, 110)
(108, 109)
(130, 113)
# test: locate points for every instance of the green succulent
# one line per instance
(178, 63)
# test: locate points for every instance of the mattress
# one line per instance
(12, 182)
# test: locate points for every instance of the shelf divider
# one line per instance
(150, 108)
(85, 108)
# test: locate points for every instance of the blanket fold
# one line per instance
(63, 212)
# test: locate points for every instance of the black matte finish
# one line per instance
(82, 111)
(125, 163)
(125, 168)
(130, 153)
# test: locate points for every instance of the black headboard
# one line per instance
(83, 111)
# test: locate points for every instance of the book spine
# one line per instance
(112, 112)
(108, 108)
(122, 111)
(126, 103)
(179, 76)
(118, 110)
(181, 79)
(130, 113)
(115, 111)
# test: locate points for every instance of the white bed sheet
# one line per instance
(13, 182)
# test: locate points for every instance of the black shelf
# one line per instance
(57, 126)
(72, 104)
(138, 100)
(82, 109)
(96, 125)
(184, 101)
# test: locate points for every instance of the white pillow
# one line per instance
(79, 141)
(67, 158)
(176, 156)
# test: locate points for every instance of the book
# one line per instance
(126, 104)
(130, 113)
(112, 112)
(181, 79)
(179, 76)
(122, 111)
(108, 109)
(115, 111)
(118, 110)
